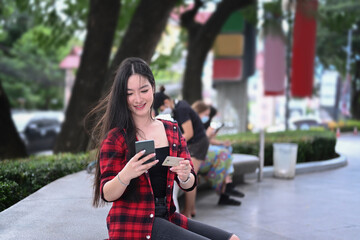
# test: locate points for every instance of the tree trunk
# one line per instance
(11, 145)
(143, 34)
(201, 39)
(192, 85)
(355, 94)
(232, 97)
(140, 40)
(101, 27)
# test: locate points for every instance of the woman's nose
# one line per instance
(137, 97)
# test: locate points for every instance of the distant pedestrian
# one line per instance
(141, 193)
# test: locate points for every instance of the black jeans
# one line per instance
(164, 230)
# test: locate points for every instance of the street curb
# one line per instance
(302, 168)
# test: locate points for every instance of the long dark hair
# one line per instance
(113, 112)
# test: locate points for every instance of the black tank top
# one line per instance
(158, 173)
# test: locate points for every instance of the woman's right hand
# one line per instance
(114, 189)
(135, 167)
(210, 132)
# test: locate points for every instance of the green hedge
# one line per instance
(344, 126)
(19, 178)
(313, 145)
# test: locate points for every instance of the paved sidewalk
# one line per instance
(60, 210)
(318, 206)
(321, 205)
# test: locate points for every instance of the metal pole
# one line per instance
(288, 69)
(348, 61)
(348, 52)
(261, 155)
(346, 93)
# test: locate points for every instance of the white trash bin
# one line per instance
(284, 155)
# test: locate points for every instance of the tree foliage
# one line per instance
(336, 18)
(140, 40)
(31, 76)
(200, 40)
(30, 51)
(31, 48)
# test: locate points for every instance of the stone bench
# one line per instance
(243, 164)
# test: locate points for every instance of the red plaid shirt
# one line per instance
(131, 219)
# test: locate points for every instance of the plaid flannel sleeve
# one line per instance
(184, 153)
(112, 158)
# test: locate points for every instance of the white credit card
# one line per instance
(172, 161)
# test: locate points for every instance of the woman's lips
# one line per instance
(140, 107)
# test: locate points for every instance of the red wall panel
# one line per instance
(227, 69)
(303, 57)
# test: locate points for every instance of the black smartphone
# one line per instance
(217, 129)
(148, 146)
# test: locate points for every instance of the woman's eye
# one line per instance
(145, 91)
(128, 94)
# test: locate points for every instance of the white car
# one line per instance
(298, 123)
(304, 123)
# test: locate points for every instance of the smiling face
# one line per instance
(140, 96)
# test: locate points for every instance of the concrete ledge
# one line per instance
(309, 167)
(244, 164)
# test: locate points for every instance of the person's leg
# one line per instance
(230, 186)
(210, 231)
(198, 154)
(190, 197)
(164, 230)
(230, 190)
(221, 168)
(217, 165)
(221, 162)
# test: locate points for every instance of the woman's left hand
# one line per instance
(182, 170)
(227, 143)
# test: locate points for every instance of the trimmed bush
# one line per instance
(10, 193)
(344, 126)
(19, 178)
(313, 145)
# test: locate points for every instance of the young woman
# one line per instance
(218, 166)
(142, 193)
